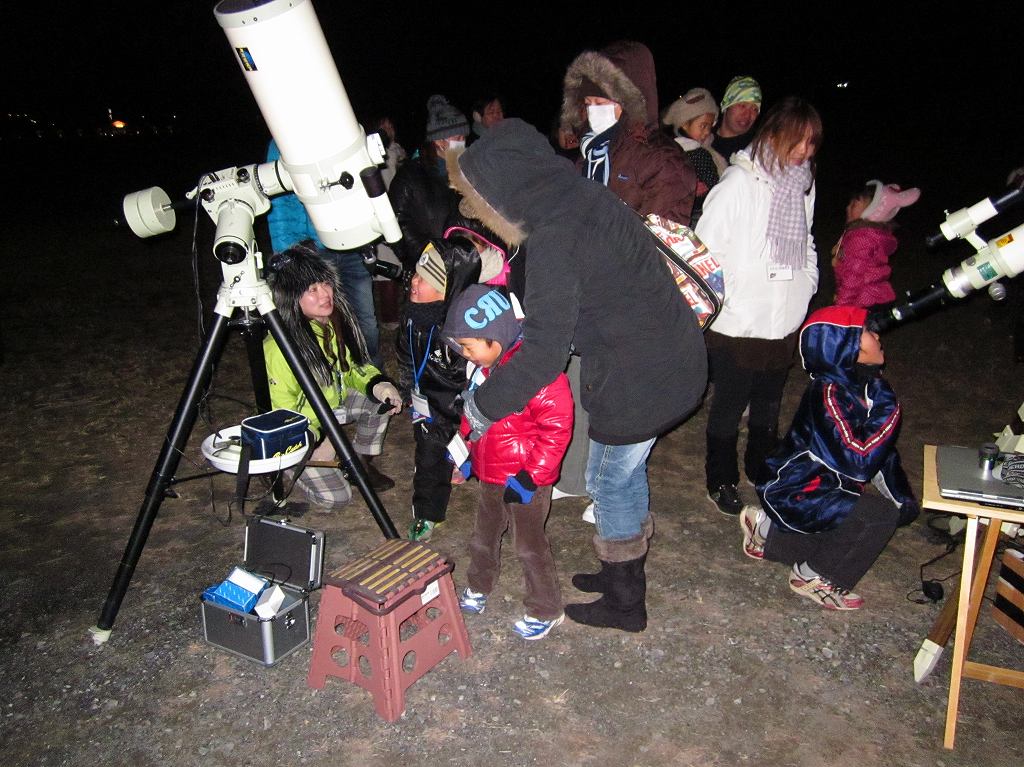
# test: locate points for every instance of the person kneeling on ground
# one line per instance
(516, 461)
(815, 515)
(308, 296)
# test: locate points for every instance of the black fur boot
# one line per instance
(624, 602)
(622, 582)
(598, 582)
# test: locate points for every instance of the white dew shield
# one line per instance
(284, 56)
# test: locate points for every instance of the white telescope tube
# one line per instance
(284, 56)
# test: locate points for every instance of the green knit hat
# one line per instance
(741, 89)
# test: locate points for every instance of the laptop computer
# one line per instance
(960, 477)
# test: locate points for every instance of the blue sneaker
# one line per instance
(535, 628)
(472, 601)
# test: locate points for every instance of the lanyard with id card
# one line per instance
(420, 410)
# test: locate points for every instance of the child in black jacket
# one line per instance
(431, 374)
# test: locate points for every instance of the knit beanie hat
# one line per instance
(887, 201)
(444, 120)
(481, 311)
(691, 105)
(589, 88)
(451, 263)
(431, 268)
(741, 89)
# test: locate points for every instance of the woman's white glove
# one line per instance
(387, 393)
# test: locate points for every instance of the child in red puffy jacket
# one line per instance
(861, 257)
(517, 461)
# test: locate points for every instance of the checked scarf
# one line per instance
(787, 217)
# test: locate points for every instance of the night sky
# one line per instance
(939, 88)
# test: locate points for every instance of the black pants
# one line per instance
(842, 555)
(745, 372)
(432, 480)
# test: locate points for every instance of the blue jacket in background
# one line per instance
(287, 220)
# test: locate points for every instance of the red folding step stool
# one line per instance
(385, 620)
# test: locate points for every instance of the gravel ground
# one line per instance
(733, 668)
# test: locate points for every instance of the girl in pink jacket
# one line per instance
(861, 257)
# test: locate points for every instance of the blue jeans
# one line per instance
(358, 284)
(617, 481)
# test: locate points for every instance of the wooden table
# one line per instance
(972, 587)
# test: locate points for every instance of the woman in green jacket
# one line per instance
(309, 298)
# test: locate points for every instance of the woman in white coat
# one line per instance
(757, 221)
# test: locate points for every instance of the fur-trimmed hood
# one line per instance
(289, 274)
(624, 70)
(505, 178)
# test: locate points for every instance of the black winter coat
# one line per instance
(444, 376)
(596, 281)
(425, 206)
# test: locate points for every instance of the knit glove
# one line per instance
(387, 394)
(478, 422)
(519, 488)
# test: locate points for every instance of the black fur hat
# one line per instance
(290, 274)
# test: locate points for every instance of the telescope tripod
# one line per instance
(247, 290)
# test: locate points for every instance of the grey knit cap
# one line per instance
(444, 120)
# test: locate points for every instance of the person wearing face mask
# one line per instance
(422, 200)
(610, 99)
(757, 223)
(741, 106)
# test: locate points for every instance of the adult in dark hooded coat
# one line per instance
(597, 282)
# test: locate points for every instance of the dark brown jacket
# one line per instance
(649, 171)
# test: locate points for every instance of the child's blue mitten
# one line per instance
(519, 488)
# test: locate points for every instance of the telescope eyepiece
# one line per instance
(230, 252)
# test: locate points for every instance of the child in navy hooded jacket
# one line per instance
(815, 514)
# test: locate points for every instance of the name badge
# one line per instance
(420, 408)
(779, 273)
(458, 450)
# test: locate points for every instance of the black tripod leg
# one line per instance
(329, 422)
(260, 387)
(166, 465)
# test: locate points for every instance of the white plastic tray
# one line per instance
(224, 454)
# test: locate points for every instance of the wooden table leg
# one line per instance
(971, 596)
(982, 571)
(959, 651)
(932, 647)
